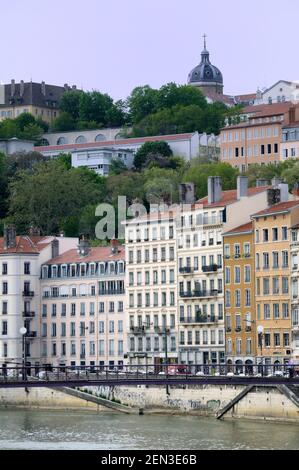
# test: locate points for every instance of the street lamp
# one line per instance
(23, 332)
(260, 331)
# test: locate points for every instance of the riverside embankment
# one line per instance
(263, 402)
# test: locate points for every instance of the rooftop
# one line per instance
(95, 254)
(26, 244)
(246, 228)
(105, 143)
(229, 197)
(276, 208)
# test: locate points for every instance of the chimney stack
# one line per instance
(12, 88)
(22, 88)
(187, 193)
(114, 246)
(34, 231)
(214, 189)
(242, 187)
(84, 246)
(54, 248)
(10, 236)
(284, 192)
(43, 88)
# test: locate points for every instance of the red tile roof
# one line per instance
(26, 244)
(268, 109)
(107, 143)
(229, 197)
(241, 229)
(96, 254)
(280, 207)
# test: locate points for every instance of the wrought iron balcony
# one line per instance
(31, 334)
(198, 319)
(200, 294)
(160, 330)
(138, 330)
(27, 293)
(210, 269)
(187, 270)
(28, 314)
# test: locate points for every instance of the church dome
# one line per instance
(205, 73)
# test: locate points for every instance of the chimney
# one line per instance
(43, 88)
(55, 248)
(114, 246)
(10, 236)
(187, 193)
(22, 88)
(74, 87)
(296, 190)
(12, 88)
(261, 182)
(284, 192)
(242, 186)
(214, 189)
(66, 87)
(84, 246)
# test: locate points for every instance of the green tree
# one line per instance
(171, 95)
(51, 194)
(95, 106)
(149, 149)
(161, 185)
(142, 102)
(64, 122)
(198, 174)
(70, 103)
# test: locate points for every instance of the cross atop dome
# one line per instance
(205, 42)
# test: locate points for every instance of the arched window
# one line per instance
(100, 138)
(81, 139)
(119, 136)
(44, 142)
(61, 141)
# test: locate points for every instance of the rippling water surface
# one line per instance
(81, 430)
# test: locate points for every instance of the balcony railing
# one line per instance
(238, 329)
(199, 319)
(31, 334)
(27, 293)
(28, 314)
(138, 330)
(209, 220)
(210, 269)
(111, 292)
(187, 270)
(200, 294)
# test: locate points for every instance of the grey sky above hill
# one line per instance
(116, 45)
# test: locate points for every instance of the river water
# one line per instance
(22, 429)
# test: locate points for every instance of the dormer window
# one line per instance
(83, 269)
(102, 268)
(54, 271)
(63, 271)
(45, 272)
(112, 268)
(73, 270)
(92, 269)
(121, 268)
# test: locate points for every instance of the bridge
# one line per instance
(162, 375)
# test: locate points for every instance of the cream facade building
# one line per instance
(83, 321)
(151, 289)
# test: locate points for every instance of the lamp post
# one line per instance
(23, 332)
(260, 331)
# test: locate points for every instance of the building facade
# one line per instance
(83, 320)
(20, 261)
(272, 233)
(39, 99)
(239, 287)
(151, 289)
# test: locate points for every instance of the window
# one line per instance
(266, 311)
(265, 235)
(4, 288)
(284, 231)
(4, 269)
(237, 275)
(247, 273)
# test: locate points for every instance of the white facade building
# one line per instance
(280, 92)
(20, 261)
(100, 160)
(186, 146)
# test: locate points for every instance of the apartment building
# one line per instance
(151, 289)
(295, 290)
(200, 266)
(257, 139)
(289, 147)
(39, 99)
(239, 286)
(83, 321)
(272, 232)
(20, 261)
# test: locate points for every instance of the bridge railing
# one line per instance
(172, 371)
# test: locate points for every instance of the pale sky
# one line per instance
(116, 45)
